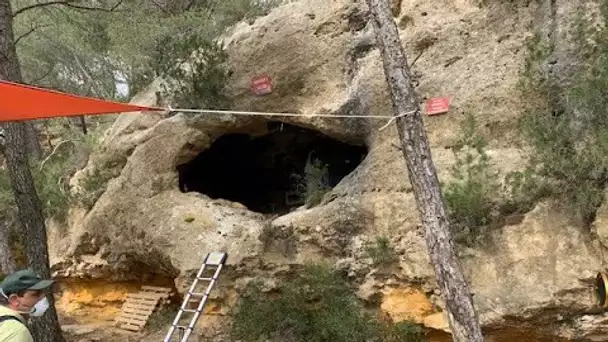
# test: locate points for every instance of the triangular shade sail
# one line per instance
(25, 102)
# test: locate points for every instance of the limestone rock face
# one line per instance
(322, 58)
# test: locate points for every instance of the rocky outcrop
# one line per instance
(322, 59)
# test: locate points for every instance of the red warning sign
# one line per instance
(437, 105)
(261, 85)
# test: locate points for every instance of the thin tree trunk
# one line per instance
(7, 262)
(46, 328)
(34, 147)
(463, 319)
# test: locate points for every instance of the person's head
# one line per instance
(25, 292)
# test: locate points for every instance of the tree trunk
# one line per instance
(7, 263)
(463, 319)
(31, 217)
(34, 147)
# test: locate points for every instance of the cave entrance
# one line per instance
(287, 167)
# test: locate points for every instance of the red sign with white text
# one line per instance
(437, 105)
(261, 85)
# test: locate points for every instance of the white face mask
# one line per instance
(40, 308)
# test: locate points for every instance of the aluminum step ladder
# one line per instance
(213, 263)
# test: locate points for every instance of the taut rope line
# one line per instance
(302, 115)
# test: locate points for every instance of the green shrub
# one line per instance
(51, 177)
(194, 75)
(381, 252)
(313, 184)
(522, 190)
(52, 186)
(405, 332)
(316, 306)
(475, 197)
(472, 194)
(565, 125)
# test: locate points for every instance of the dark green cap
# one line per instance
(24, 280)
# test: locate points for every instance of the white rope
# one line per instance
(390, 119)
(395, 118)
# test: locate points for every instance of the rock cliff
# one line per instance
(321, 56)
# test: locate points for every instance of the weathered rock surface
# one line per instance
(321, 56)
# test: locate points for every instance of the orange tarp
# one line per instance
(25, 102)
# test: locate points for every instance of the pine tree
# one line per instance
(30, 210)
(462, 316)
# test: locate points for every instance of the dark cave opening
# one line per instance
(273, 173)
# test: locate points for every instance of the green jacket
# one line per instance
(12, 330)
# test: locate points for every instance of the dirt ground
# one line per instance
(104, 331)
(91, 333)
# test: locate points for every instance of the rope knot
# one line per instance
(391, 120)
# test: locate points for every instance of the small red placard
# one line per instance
(437, 106)
(261, 85)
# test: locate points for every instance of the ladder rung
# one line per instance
(213, 260)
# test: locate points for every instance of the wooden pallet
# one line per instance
(163, 292)
(138, 307)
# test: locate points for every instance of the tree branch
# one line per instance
(67, 3)
(54, 152)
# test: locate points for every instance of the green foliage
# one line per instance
(381, 252)
(64, 48)
(405, 332)
(314, 184)
(195, 76)
(52, 186)
(471, 195)
(87, 52)
(523, 190)
(475, 197)
(534, 74)
(317, 306)
(567, 127)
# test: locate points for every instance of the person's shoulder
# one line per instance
(5, 311)
(14, 331)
